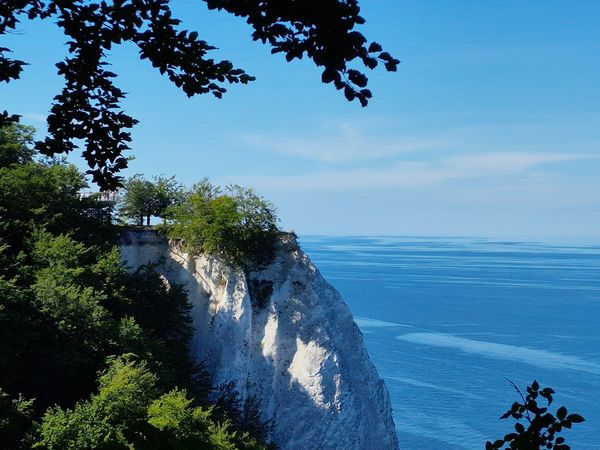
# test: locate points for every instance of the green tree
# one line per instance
(16, 143)
(144, 199)
(87, 109)
(167, 192)
(163, 313)
(130, 411)
(138, 200)
(16, 416)
(235, 224)
(37, 193)
(111, 419)
(67, 304)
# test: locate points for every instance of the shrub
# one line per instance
(235, 224)
(130, 411)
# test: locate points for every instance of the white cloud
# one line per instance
(507, 161)
(411, 174)
(346, 142)
(35, 117)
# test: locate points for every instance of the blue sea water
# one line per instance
(447, 320)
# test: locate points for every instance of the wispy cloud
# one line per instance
(507, 162)
(35, 117)
(411, 174)
(346, 142)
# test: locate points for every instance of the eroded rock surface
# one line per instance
(284, 335)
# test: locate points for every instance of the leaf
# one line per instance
(349, 93)
(371, 63)
(391, 67)
(561, 413)
(328, 75)
(575, 418)
(357, 78)
(375, 47)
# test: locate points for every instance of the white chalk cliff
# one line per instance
(284, 335)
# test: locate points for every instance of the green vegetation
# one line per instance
(144, 199)
(70, 311)
(131, 411)
(15, 145)
(235, 224)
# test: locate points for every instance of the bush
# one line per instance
(130, 411)
(236, 225)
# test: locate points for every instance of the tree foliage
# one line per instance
(167, 192)
(136, 203)
(131, 411)
(245, 414)
(87, 108)
(541, 428)
(67, 305)
(143, 199)
(16, 415)
(234, 224)
(44, 193)
(15, 144)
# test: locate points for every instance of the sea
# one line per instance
(449, 323)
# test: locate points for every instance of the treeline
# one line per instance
(91, 355)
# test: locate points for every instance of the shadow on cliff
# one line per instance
(282, 399)
(301, 350)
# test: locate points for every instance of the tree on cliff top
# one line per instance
(143, 199)
(88, 109)
(235, 224)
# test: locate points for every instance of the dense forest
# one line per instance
(94, 356)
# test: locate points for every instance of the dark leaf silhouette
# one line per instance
(540, 428)
(88, 107)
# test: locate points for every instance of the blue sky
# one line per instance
(489, 128)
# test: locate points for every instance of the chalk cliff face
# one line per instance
(284, 335)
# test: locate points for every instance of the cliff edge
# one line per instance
(284, 335)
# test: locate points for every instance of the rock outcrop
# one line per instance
(285, 336)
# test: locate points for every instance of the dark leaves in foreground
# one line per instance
(87, 110)
(536, 427)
